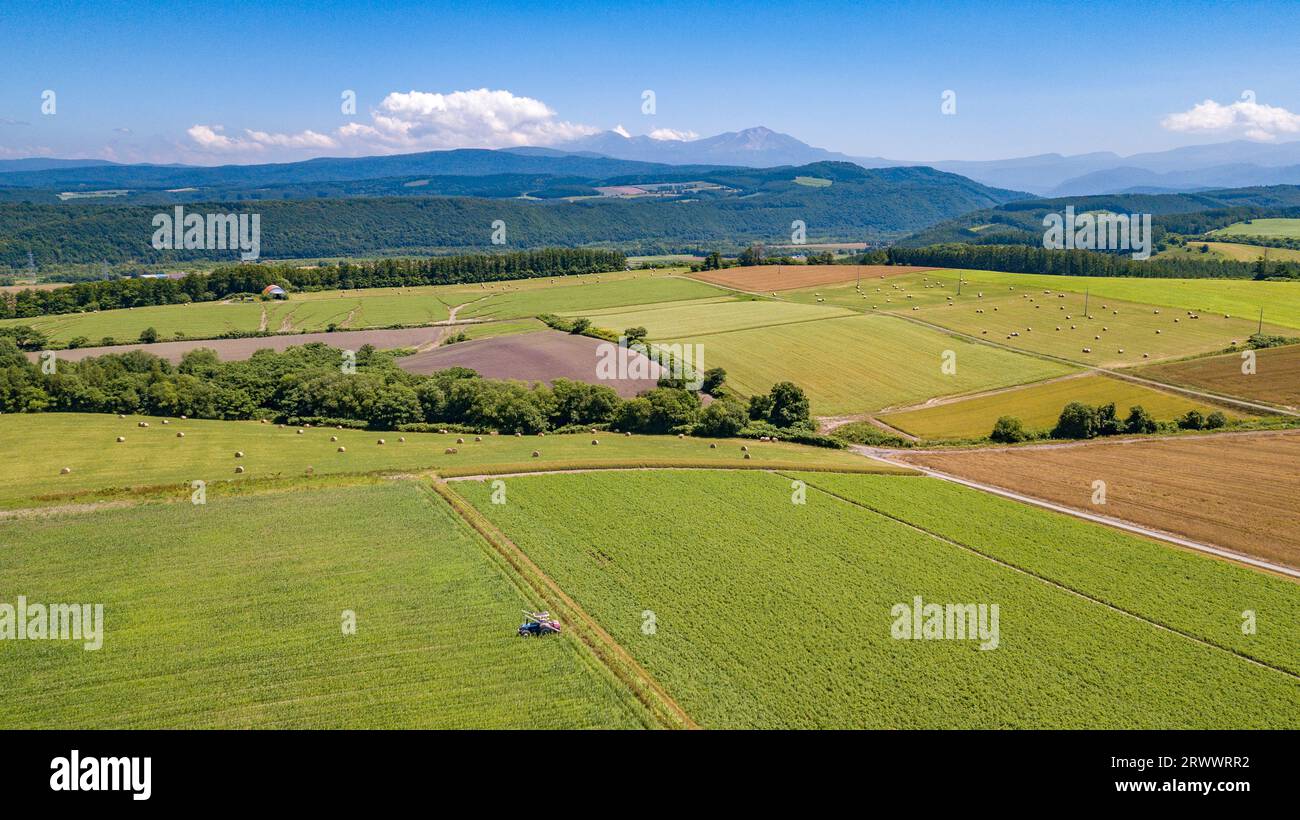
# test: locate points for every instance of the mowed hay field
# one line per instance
(1039, 405)
(859, 364)
(1235, 251)
(768, 278)
(1240, 298)
(1117, 335)
(1236, 491)
(772, 614)
(1276, 378)
(39, 446)
(229, 615)
(1272, 228)
(700, 318)
(581, 294)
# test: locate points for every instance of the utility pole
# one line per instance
(959, 280)
(1085, 304)
(1260, 331)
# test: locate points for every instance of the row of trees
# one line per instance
(1084, 421)
(307, 383)
(380, 273)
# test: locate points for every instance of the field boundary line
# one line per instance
(1117, 523)
(1058, 584)
(608, 651)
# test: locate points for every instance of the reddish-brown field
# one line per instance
(1236, 491)
(1276, 378)
(237, 349)
(768, 278)
(533, 357)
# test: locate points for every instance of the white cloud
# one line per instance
(673, 134)
(481, 118)
(210, 138)
(1252, 119)
(418, 120)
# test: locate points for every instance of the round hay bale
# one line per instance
(65, 471)
(628, 433)
(713, 446)
(744, 448)
(681, 435)
(239, 454)
(239, 469)
(746, 455)
(165, 421)
(121, 439)
(536, 454)
(443, 432)
(449, 451)
(142, 424)
(182, 418)
(121, 415)
(263, 421)
(300, 432)
(460, 441)
(401, 439)
(595, 441)
(478, 438)
(334, 438)
(342, 449)
(518, 434)
(180, 435)
(380, 441)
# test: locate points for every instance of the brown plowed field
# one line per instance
(1239, 492)
(238, 349)
(533, 357)
(768, 278)
(1276, 378)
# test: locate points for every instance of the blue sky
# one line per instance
(262, 81)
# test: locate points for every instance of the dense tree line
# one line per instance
(1027, 259)
(307, 385)
(233, 279)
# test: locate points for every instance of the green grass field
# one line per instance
(1185, 591)
(1271, 228)
(772, 614)
(229, 615)
(586, 293)
(699, 318)
(375, 307)
(1235, 251)
(1241, 298)
(859, 364)
(39, 446)
(1039, 405)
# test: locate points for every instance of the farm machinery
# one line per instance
(537, 624)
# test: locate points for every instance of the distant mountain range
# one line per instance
(574, 167)
(1221, 165)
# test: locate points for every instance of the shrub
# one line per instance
(714, 378)
(1140, 421)
(1077, 420)
(148, 336)
(1192, 420)
(1008, 430)
(1216, 420)
(722, 418)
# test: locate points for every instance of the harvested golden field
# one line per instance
(1236, 491)
(1276, 378)
(1039, 405)
(768, 278)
